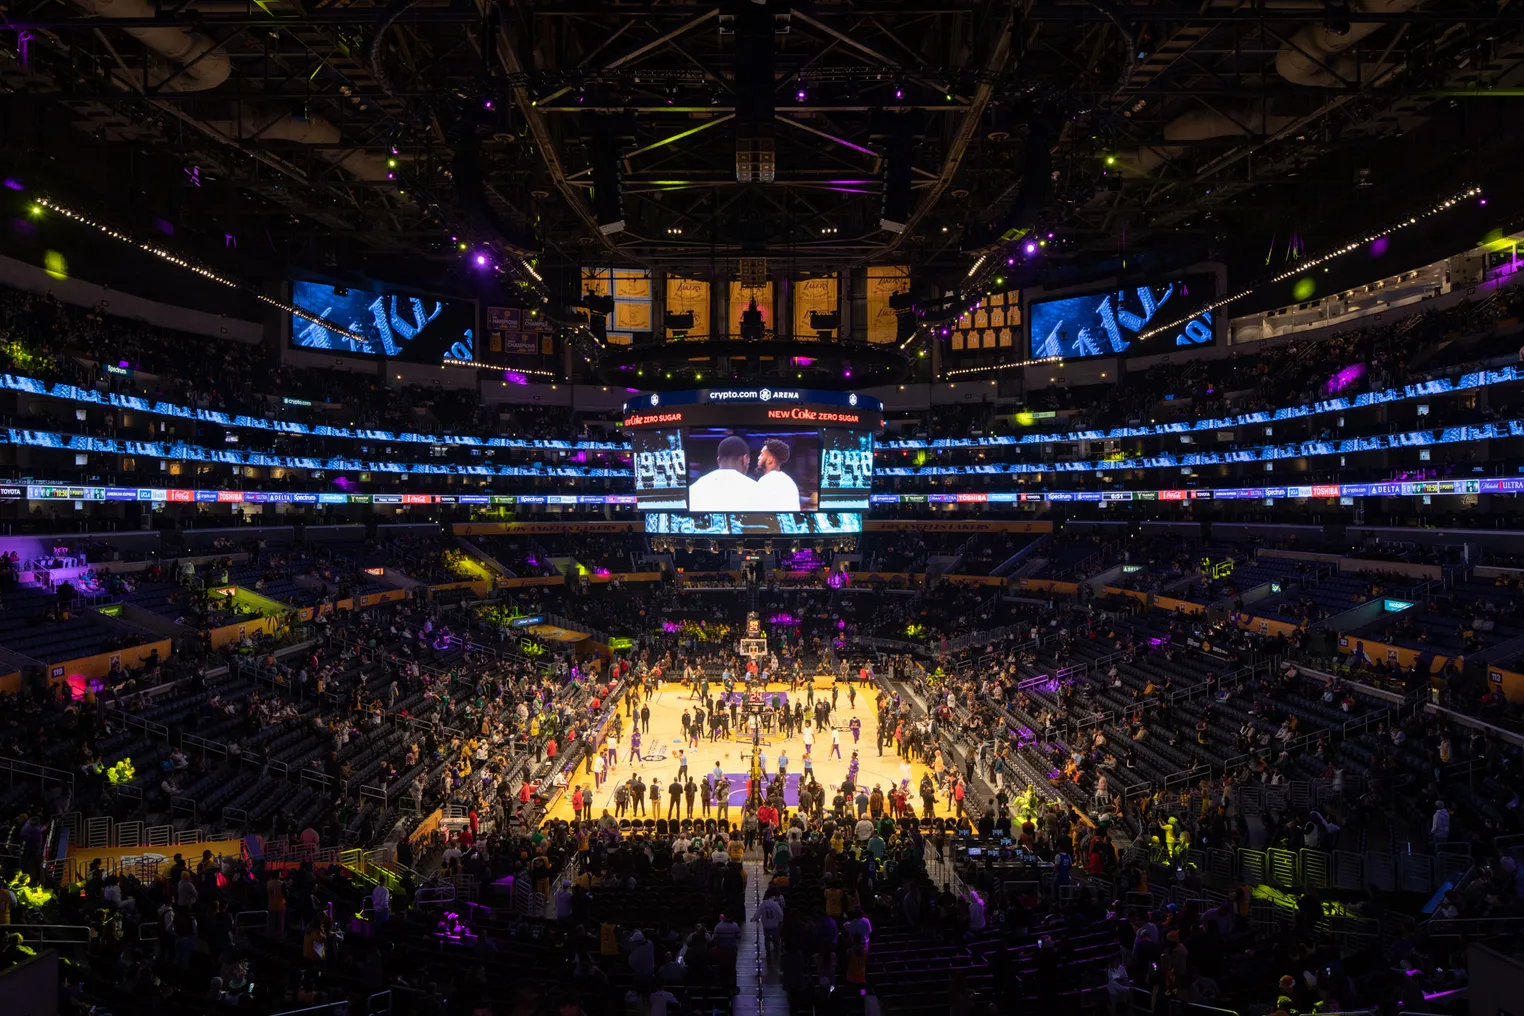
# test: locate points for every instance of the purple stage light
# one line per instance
(513, 377)
(481, 259)
(1378, 246)
(1342, 379)
(11, 183)
(1031, 247)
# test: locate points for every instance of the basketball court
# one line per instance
(662, 741)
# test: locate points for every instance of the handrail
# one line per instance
(44, 773)
(150, 727)
(50, 934)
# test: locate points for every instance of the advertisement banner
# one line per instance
(545, 528)
(954, 526)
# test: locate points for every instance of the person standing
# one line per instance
(690, 791)
(722, 798)
(635, 745)
(835, 743)
(645, 717)
(275, 906)
(706, 795)
(674, 799)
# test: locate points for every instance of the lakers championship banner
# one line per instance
(689, 296)
(885, 281)
(742, 299)
(814, 296)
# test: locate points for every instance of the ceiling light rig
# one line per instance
(205, 273)
(1300, 267)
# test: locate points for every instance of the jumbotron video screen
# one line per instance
(738, 461)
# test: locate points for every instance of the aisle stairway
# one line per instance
(759, 986)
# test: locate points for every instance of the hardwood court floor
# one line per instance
(665, 737)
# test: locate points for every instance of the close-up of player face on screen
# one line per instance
(772, 472)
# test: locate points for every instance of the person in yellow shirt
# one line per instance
(275, 906)
(834, 900)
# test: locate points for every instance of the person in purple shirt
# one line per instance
(635, 746)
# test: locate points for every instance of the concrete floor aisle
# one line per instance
(759, 984)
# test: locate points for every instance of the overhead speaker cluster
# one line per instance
(756, 160)
(753, 273)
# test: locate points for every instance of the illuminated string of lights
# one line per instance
(451, 361)
(206, 273)
(1304, 266)
(964, 371)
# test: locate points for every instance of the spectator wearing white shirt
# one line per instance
(381, 902)
(770, 916)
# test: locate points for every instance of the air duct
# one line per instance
(1316, 55)
(190, 61)
(272, 125)
(1201, 125)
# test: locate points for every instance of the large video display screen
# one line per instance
(744, 469)
(399, 326)
(846, 469)
(758, 452)
(750, 523)
(1107, 323)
